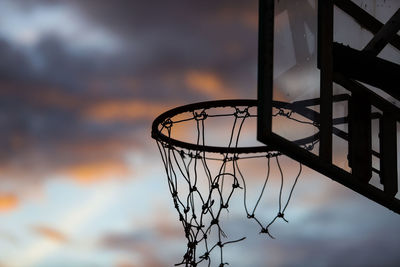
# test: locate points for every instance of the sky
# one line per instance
(82, 182)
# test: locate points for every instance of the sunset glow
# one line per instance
(82, 182)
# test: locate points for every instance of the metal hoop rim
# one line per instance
(157, 135)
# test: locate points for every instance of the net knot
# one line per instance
(214, 221)
(215, 186)
(205, 256)
(235, 185)
(242, 113)
(309, 147)
(167, 123)
(186, 210)
(219, 244)
(281, 215)
(168, 146)
(200, 116)
(250, 216)
(193, 189)
(194, 156)
(187, 231)
(186, 257)
(264, 230)
(176, 205)
(199, 227)
(282, 112)
(224, 206)
(192, 245)
(273, 155)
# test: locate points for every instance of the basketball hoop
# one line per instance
(203, 177)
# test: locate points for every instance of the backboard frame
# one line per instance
(357, 180)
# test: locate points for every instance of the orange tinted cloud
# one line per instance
(207, 83)
(125, 264)
(100, 84)
(168, 230)
(40, 95)
(99, 148)
(55, 97)
(115, 110)
(8, 202)
(245, 15)
(50, 233)
(165, 224)
(329, 193)
(95, 171)
(127, 242)
(250, 19)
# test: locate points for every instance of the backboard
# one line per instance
(341, 60)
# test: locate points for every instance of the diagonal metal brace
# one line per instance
(385, 35)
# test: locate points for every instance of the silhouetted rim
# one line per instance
(157, 135)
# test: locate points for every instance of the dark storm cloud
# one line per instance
(354, 232)
(169, 51)
(333, 235)
(162, 37)
(371, 249)
(161, 41)
(61, 67)
(13, 64)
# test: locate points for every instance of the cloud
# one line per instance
(93, 172)
(59, 19)
(50, 233)
(124, 241)
(370, 250)
(140, 244)
(8, 202)
(135, 16)
(208, 84)
(156, 45)
(124, 110)
(8, 237)
(14, 63)
(153, 244)
(125, 263)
